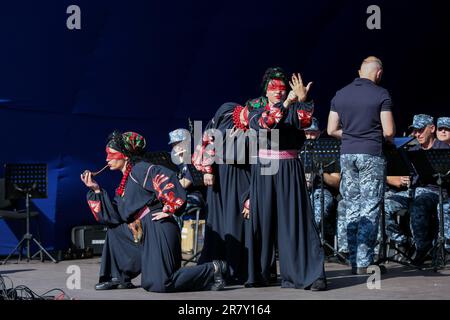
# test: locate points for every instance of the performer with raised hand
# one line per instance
(280, 209)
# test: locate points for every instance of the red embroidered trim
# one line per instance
(237, 118)
(270, 117)
(305, 118)
(96, 207)
(171, 203)
(203, 157)
(121, 189)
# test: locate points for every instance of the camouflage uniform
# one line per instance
(445, 122)
(446, 223)
(389, 221)
(362, 189)
(421, 210)
(341, 228)
(329, 212)
(394, 202)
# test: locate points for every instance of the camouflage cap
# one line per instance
(443, 122)
(178, 135)
(421, 121)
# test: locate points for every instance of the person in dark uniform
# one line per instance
(330, 190)
(443, 134)
(443, 129)
(143, 237)
(223, 159)
(361, 116)
(280, 209)
(422, 207)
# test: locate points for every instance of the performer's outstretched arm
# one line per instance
(103, 209)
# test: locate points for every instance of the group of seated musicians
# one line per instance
(411, 223)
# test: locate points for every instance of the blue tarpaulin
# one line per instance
(147, 66)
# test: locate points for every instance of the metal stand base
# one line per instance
(27, 239)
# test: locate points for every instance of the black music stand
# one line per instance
(26, 181)
(433, 166)
(320, 156)
(398, 164)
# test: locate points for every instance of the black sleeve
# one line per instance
(104, 210)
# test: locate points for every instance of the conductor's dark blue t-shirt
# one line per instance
(359, 105)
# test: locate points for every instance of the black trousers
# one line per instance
(281, 214)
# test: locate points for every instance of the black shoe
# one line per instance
(220, 274)
(126, 285)
(107, 285)
(319, 285)
(258, 284)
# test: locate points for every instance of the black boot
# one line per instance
(220, 274)
(319, 285)
(108, 285)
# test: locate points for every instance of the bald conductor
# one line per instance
(361, 116)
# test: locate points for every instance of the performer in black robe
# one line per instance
(143, 237)
(280, 209)
(224, 162)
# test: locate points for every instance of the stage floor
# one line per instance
(398, 283)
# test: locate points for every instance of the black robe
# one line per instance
(158, 255)
(280, 209)
(224, 232)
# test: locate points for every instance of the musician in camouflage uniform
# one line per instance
(443, 134)
(330, 191)
(422, 202)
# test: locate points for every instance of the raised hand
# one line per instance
(297, 86)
